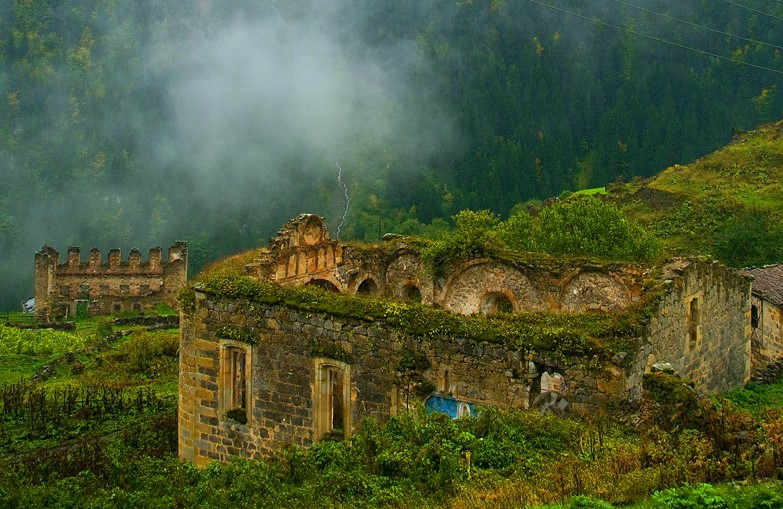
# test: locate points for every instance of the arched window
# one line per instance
(368, 287)
(235, 372)
(496, 302)
(410, 293)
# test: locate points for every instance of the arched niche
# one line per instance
(497, 302)
(410, 293)
(313, 231)
(367, 287)
(405, 270)
(594, 291)
(479, 285)
(324, 284)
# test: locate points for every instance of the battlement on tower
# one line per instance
(98, 285)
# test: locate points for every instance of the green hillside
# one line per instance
(727, 204)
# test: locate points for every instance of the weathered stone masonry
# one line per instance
(110, 286)
(285, 391)
(254, 377)
(767, 314)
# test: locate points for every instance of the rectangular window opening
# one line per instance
(693, 322)
(332, 399)
(235, 384)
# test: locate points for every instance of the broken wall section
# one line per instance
(299, 362)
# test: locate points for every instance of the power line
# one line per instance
(754, 10)
(672, 43)
(698, 25)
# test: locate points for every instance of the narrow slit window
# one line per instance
(693, 322)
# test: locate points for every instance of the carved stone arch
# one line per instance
(409, 292)
(594, 291)
(405, 272)
(367, 286)
(496, 300)
(476, 280)
(325, 282)
(313, 231)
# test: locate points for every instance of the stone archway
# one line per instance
(406, 272)
(367, 287)
(324, 284)
(486, 284)
(410, 293)
(496, 302)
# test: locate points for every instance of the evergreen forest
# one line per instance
(134, 124)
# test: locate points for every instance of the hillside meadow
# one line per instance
(98, 429)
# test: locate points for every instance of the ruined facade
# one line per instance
(96, 287)
(254, 377)
(766, 314)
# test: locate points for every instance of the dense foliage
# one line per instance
(727, 204)
(38, 342)
(498, 458)
(582, 226)
(137, 123)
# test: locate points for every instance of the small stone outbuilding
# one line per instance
(766, 314)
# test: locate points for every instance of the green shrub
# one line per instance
(38, 341)
(473, 237)
(702, 496)
(145, 353)
(583, 502)
(591, 227)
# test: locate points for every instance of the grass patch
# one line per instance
(756, 398)
(594, 190)
(15, 367)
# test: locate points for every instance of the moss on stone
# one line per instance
(560, 333)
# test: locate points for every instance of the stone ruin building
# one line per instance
(100, 287)
(255, 377)
(766, 314)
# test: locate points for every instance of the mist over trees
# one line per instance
(134, 124)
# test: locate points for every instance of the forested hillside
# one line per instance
(135, 123)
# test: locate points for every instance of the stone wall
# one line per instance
(767, 336)
(110, 286)
(285, 371)
(302, 253)
(701, 327)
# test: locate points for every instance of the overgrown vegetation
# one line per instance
(38, 342)
(580, 226)
(560, 333)
(726, 204)
(76, 444)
